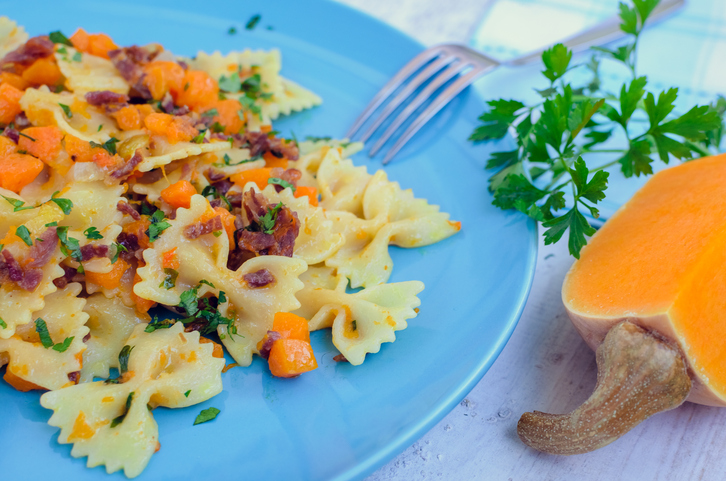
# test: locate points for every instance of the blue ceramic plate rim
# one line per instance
(449, 400)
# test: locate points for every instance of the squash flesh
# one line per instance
(660, 262)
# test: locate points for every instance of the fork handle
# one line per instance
(604, 32)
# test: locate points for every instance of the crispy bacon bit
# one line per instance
(29, 52)
(131, 243)
(284, 233)
(102, 97)
(198, 229)
(340, 358)
(12, 134)
(259, 143)
(290, 175)
(90, 251)
(167, 105)
(126, 208)
(129, 62)
(214, 175)
(86, 338)
(74, 377)
(43, 248)
(270, 339)
(70, 275)
(127, 169)
(21, 121)
(260, 278)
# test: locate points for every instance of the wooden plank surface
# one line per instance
(545, 366)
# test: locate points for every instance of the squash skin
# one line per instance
(593, 325)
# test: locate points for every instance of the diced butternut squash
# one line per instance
(198, 91)
(217, 350)
(19, 383)
(258, 176)
(7, 146)
(176, 129)
(80, 150)
(9, 103)
(228, 115)
(273, 161)
(42, 142)
(310, 192)
(291, 326)
(291, 357)
(13, 79)
(128, 118)
(111, 279)
(43, 71)
(179, 194)
(139, 228)
(162, 77)
(98, 44)
(169, 259)
(18, 170)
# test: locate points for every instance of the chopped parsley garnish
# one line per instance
(77, 57)
(217, 128)
(199, 138)
(70, 247)
(230, 84)
(118, 420)
(253, 21)
(210, 113)
(211, 191)
(92, 234)
(66, 110)
(282, 183)
(109, 146)
(26, 136)
(232, 31)
(248, 103)
(58, 37)
(157, 323)
(313, 138)
(17, 204)
(3, 324)
(118, 250)
(252, 84)
(206, 415)
(157, 226)
(205, 309)
(204, 281)
(63, 346)
(123, 358)
(227, 161)
(42, 329)
(24, 234)
(266, 223)
(65, 204)
(186, 394)
(170, 279)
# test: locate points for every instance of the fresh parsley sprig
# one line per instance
(556, 139)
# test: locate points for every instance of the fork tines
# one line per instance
(448, 69)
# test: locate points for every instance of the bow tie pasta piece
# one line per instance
(412, 222)
(260, 70)
(111, 423)
(360, 322)
(88, 123)
(111, 323)
(12, 36)
(316, 240)
(164, 153)
(342, 184)
(88, 73)
(205, 258)
(364, 257)
(9, 217)
(40, 366)
(312, 153)
(16, 303)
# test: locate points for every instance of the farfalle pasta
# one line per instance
(151, 219)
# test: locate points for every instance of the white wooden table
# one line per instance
(545, 366)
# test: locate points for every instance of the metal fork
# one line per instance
(450, 69)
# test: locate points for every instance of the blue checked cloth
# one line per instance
(686, 50)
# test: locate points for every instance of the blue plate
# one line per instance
(338, 422)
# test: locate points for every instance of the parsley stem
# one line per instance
(605, 166)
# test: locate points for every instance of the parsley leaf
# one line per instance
(266, 223)
(206, 415)
(123, 358)
(42, 329)
(118, 420)
(170, 279)
(199, 138)
(109, 146)
(17, 204)
(157, 226)
(157, 323)
(24, 235)
(63, 346)
(253, 21)
(92, 234)
(232, 31)
(65, 204)
(3, 324)
(58, 37)
(283, 183)
(69, 246)
(186, 394)
(230, 84)
(66, 110)
(118, 249)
